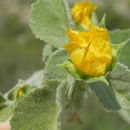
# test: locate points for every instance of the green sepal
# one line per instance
(70, 67)
(94, 19)
(74, 72)
(116, 49)
(119, 36)
(102, 23)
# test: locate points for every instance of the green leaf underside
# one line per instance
(49, 21)
(125, 105)
(37, 111)
(53, 70)
(119, 78)
(105, 95)
(117, 37)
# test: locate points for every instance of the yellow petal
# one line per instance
(82, 11)
(90, 51)
(99, 32)
(75, 37)
(76, 53)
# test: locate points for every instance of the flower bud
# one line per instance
(90, 51)
(82, 11)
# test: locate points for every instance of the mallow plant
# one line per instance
(81, 57)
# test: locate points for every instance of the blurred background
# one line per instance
(21, 52)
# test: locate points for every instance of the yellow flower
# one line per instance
(90, 51)
(81, 13)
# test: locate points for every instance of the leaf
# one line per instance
(49, 21)
(119, 78)
(52, 68)
(47, 50)
(70, 102)
(94, 19)
(22, 88)
(36, 80)
(102, 23)
(125, 105)
(116, 53)
(5, 113)
(37, 111)
(19, 91)
(70, 67)
(119, 36)
(105, 95)
(125, 114)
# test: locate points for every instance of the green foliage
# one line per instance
(51, 99)
(52, 68)
(5, 113)
(47, 50)
(49, 21)
(36, 111)
(119, 78)
(105, 95)
(70, 101)
(125, 105)
(36, 80)
(102, 23)
(20, 90)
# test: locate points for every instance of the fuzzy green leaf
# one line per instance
(105, 95)
(36, 80)
(47, 50)
(37, 111)
(116, 53)
(70, 102)
(49, 21)
(19, 91)
(52, 69)
(125, 105)
(119, 78)
(5, 113)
